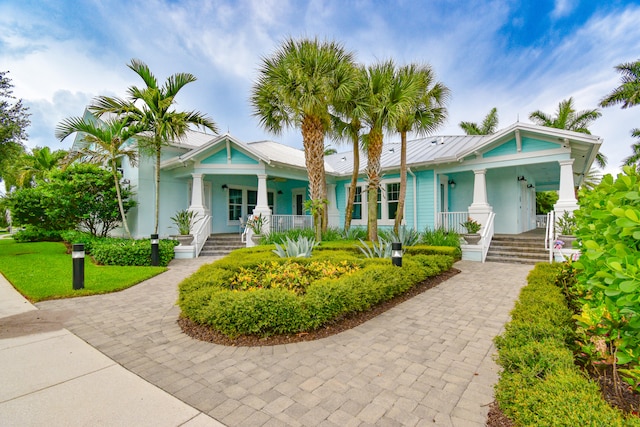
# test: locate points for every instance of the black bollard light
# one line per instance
(77, 254)
(396, 254)
(155, 256)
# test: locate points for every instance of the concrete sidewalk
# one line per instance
(427, 361)
(50, 377)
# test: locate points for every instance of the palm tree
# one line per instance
(156, 113)
(106, 142)
(634, 159)
(489, 124)
(38, 165)
(295, 88)
(568, 118)
(346, 124)
(426, 112)
(386, 102)
(628, 93)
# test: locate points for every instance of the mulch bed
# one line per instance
(205, 333)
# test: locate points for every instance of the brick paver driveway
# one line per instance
(427, 361)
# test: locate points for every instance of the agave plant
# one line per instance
(300, 248)
(408, 237)
(382, 249)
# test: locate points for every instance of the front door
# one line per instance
(298, 202)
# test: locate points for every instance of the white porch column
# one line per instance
(566, 194)
(262, 204)
(480, 208)
(332, 210)
(197, 195)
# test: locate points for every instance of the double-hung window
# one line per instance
(387, 203)
(243, 201)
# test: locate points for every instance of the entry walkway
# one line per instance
(427, 361)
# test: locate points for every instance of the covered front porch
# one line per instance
(502, 199)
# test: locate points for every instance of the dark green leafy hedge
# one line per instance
(206, 299)
(130, 252)
(35, 234)
(540, 385)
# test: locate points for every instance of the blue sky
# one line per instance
(518, 56)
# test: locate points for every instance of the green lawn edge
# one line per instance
(43, 271)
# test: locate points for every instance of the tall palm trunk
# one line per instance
(403, 182)
(374, 152)
(313, 142)
(157, 179)
(114, 171)
(354, 183)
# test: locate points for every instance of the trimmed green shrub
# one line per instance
(87, 239)
(205, 297)
(35, 234)
(540, 384)
(131, 252)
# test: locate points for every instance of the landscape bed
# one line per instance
(211, 297)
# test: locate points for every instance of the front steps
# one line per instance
(518, 248)
(219, 245)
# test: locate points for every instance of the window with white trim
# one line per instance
(242, 202)
(235, 204)
(388, 197)
(393, 195)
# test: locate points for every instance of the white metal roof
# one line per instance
(431, 150)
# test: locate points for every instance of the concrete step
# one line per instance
(218, 245)
(517, 249)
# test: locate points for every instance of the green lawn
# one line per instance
(43, 270)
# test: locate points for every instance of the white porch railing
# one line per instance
(487, 235)
(550, 234)
(451, 221)
(541, 221)
(287, 222)
(201, 233)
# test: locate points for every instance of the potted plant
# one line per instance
(184, 220)
(566, 226)
(472, 226)
(256, 224)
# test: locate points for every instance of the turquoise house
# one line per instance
(492, 179)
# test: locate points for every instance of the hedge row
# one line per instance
(124, 252)
(350, 246)
(206, 299)
(540, 384)
(33, 234)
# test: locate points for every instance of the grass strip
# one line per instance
(43, 270)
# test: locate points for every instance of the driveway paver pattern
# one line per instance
(427, 361)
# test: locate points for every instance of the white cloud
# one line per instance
(563, 8)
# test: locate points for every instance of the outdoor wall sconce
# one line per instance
(125, 182)
(279, 191)
(225, 186)
(452, 183)
(396, 254)
(530, 186)
(522, 178)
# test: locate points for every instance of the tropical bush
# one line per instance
(608, 273)
(440, 237)
(208, 296)
(82, 195)
(540, 384)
